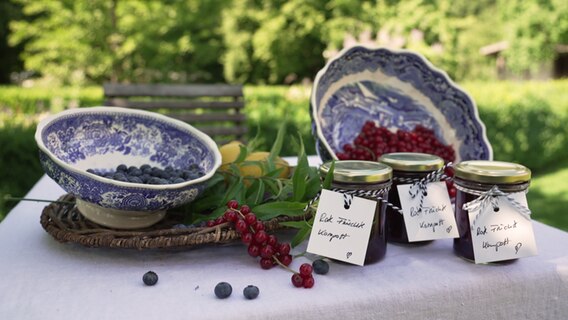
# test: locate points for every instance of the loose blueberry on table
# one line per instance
(373, 141)
(251, 292)
(261, 244)
(147, 174)
(320, 266)
(223, 290)
(150, 278)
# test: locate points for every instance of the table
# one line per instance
(44, 279)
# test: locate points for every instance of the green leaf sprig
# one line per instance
(269, 195)
(305, 227)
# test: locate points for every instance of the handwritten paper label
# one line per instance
(504, 234)
(434, 220)
(340, 233)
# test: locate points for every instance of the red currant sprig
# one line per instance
(261, 244)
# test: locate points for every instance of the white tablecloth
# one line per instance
(43, 279)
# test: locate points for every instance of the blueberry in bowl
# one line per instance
(125, 167)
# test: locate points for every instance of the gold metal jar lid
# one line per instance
(412, 161)
(356, 171)
(492, 172)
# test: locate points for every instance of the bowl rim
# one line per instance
(174, 122)
(429, 64)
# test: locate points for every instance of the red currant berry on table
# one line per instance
(285, 259)
(297, 280)
(308, 282)
(254, 250)
(284, 249)
(266, 263)
(306, 270)
(267, 251)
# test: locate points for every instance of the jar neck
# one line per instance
(361, 186)
(402, 177)
(478, 186)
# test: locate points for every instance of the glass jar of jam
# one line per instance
(354, 175)
(408, 167)
(480, 176)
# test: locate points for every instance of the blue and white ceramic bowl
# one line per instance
(397, 90)
(101, 138)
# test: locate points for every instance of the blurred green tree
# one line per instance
(439, 29)
(274, 41)
(238, 25)
(9, 55)
(533, 29)
(139, 41)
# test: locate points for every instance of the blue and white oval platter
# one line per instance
(397, 90)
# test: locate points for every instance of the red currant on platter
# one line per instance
(374, 141)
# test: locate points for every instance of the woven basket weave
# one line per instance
(65, 223)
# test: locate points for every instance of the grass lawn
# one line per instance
(548, 198)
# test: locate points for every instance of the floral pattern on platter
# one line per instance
(397, 90)
(77, 139)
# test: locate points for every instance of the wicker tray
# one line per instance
(66, 224)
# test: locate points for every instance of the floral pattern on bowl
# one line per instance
(101, 138)
(397, 90)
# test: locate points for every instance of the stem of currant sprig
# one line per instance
(282, 265)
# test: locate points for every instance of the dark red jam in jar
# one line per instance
(481, 176)
(408, 167)
(354, 175)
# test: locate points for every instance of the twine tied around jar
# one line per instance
(418, 187)
(489, 197)
(349, 194)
